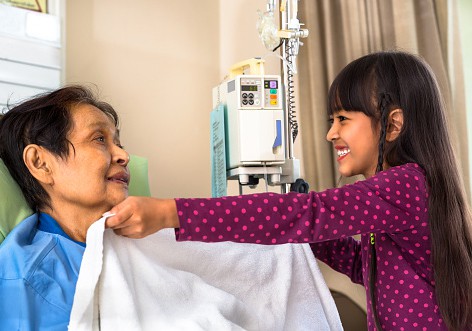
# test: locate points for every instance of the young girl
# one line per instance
(415, 253)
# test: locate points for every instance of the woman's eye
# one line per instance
(100, 139)
(120, 146)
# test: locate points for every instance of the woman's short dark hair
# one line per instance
(44, 120)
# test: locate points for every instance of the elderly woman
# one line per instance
(63, 148)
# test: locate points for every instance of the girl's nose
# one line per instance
(332, 133)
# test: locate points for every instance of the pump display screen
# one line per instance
(270, 84)
(248, 88)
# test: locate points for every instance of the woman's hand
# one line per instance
(138, 217)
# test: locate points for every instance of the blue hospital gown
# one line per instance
(38, 274)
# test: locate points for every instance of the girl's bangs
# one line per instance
(354, 89)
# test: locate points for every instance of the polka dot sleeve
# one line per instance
(343, 255)
(394, 200)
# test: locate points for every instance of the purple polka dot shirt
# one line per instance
(392, 204)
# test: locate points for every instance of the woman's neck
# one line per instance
(74, 221)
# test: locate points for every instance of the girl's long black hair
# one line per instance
(375, 85)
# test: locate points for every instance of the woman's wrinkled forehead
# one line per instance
(86, 117)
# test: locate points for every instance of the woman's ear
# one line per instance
(38, 162)
(394, 124)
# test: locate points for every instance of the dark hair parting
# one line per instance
(385, 101)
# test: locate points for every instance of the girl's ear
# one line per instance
(394, 124)
(38, 162)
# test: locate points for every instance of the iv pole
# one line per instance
(290, 33)
(287, 38)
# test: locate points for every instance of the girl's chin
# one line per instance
(345, 171)
(349, 174)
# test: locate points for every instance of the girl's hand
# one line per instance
(138, 217)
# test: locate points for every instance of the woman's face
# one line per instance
(355, 142)
(94, 175)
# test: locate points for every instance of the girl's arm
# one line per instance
(342, 255)
(392, 201)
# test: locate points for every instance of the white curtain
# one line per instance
(343, 30)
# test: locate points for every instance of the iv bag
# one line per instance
(267, 29)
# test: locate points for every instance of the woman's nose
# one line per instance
(121, 156)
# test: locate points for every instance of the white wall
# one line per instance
(155, 62)
(238, 38)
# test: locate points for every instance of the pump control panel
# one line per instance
(254, 120)
(258, 92)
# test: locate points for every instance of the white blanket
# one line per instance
(157, 283)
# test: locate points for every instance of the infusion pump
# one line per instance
(254, 120)
(253, 124)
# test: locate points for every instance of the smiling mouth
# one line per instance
(119, 179)
(343, 152)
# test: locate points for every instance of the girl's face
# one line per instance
(355, 141)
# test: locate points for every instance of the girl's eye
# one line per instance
(340, 118)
